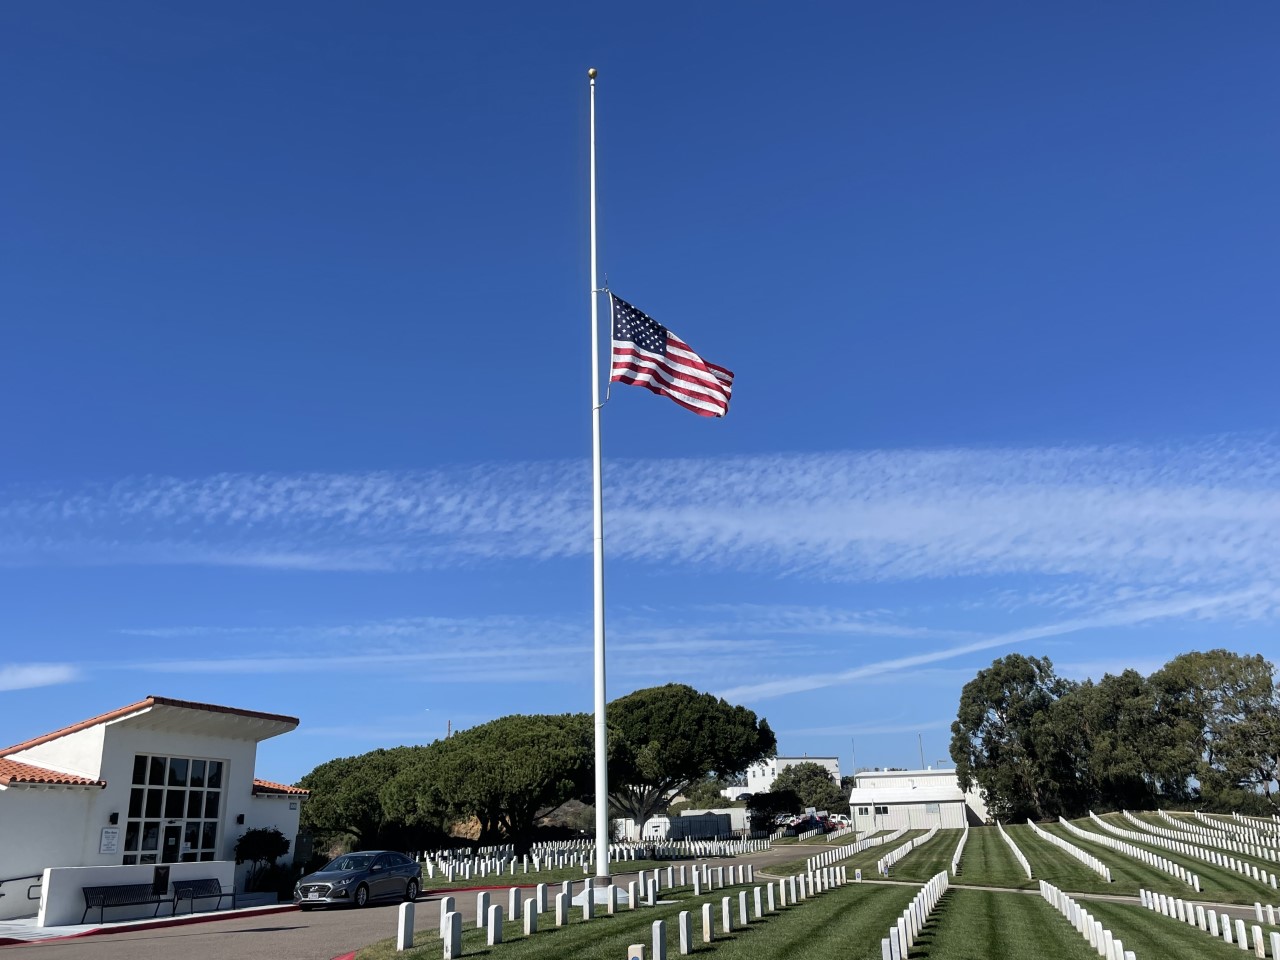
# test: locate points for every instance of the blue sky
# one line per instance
(296, 368)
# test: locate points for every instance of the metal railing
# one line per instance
(30, 887)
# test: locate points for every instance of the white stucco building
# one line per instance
(158, 781)
(916, 799)
(760, 776)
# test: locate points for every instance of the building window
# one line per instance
(864, 811)
(175, 806)
(930, 808)
(881, 811)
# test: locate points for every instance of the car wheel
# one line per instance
(362, 896)
(411, 891)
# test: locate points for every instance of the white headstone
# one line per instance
(726, 916)
(453, 935)
(404, 927)
(530, 917)
(482, 908)
(562, 909)
(659, 940)
(495, 924)
(708, 933)
(446, 907)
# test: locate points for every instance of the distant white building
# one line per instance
(915, 799)
(760, 776)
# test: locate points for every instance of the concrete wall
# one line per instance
(913, 816)
(62, 902)
(263, 813)
(40, 827)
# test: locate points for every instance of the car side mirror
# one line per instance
(375, 868)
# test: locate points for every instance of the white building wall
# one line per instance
(760, 776)
(78, 753)
(40, 827)
(238, 757)
(912, 816)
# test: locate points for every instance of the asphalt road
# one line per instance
(319, 934)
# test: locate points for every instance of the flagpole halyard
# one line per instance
(597, 489)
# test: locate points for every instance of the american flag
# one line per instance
(649, 355)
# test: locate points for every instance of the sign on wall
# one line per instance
(110, 842)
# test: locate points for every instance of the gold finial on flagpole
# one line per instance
(591, 72)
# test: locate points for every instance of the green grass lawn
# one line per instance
(1152, 936)
(988, 862)
(1216, 883)
(847, 923)
(987, 925)
(864, 860)
(929, 859)
(505, 880)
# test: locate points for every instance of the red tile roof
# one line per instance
(12, 771)
(138, 708)
(266, 786)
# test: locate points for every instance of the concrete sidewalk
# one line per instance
(24, 930)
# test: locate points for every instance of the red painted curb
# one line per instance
(346, 956)
(152, 925)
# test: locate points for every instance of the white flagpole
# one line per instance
(601, 731)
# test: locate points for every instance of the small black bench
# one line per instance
(204, 889)
(121, 895)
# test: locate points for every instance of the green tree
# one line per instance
(705, 793)
(1222, 704)
(507, 773)
(345, 798)
(764, 808)
(261, 847)
(1006, 742)
(671, 736)
(814, 785)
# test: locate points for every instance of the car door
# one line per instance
(382, 878)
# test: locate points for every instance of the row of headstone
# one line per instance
(893, 856)
(1249, 829)
(1137, 853)
(828, 857)
(1088, 859)
(1269, 825)
(1179, 846)
(955, 858)
(1100, 938)
(1215, 924)
(837, 834)
(808, 834)
(1017, 854)
(904, 934)
(1249, 843)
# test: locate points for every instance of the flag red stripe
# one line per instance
(663, 392)
(675, 366)
(693, 387)
(698, 392)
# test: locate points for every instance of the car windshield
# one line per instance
(350, 861)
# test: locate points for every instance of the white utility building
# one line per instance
(915, 799)
(760, 776)
(157, 782)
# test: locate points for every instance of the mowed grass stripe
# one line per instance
(989, 925)
(864, 859)
(1215, 882)
(988, 862)
(1152, 936)
(929, 859)
(847, 923)
(1066, 872)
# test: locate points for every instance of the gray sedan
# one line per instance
(357, 878)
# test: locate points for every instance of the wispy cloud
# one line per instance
(1138, 516)
(24, 676)
(1204, 605)
(862, 729)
